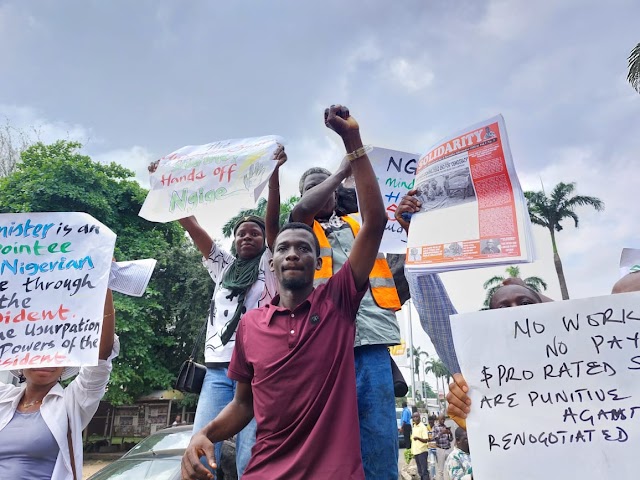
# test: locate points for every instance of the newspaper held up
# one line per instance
(132, 277)
(473, 210)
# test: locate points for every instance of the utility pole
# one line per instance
(411, 362)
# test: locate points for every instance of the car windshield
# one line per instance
(163, 441)
(141, 469)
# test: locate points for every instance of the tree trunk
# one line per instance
(559, 270)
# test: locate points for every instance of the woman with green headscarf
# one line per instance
(243, 282)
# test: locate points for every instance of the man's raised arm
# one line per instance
(374, 218)
(272, 215)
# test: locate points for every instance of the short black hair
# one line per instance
(311, 171)
(531, 290)
(459, 433)
(300, 226)
(404, 404)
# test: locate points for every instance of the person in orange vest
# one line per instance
(376, 324)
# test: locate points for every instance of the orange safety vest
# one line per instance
(383, 289)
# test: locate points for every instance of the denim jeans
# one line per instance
(217, 392)
(376, 413)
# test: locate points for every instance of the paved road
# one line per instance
(401, 462)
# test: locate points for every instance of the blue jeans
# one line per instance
(376, 413)
(217, 392)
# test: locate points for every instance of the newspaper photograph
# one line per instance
(473, 213)
(446, 184)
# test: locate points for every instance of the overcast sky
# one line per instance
(137, 80)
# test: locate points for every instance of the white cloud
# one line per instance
(412, 75)
(37, 127)
(136, 158)
(34, 124)
(507, 19)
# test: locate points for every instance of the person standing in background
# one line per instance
(406, 425)
(443, 436)
(420, 446)
(458, 463)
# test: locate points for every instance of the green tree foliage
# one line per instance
(534, 283)
(440, 371)
(428, 391)
(438, 368)
(634, 68)
(417, 354)
(550, 211)
(158, 330)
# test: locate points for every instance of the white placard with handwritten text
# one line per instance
(396, 175)
(54, 271)
(216, 177)
(555, 389)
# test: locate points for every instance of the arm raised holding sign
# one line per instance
(42, 409)
(434, 307)
(409, 205)
(108, 328)
(243, 282)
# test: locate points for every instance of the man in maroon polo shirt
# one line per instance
(293, 359)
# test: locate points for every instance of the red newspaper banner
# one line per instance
(472, 203)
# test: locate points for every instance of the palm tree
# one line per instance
(417, 353)
(534, 283)
(260, 210)
(440, 371)
(550, 211)
(634, 68)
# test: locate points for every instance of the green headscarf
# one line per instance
(240, 277)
